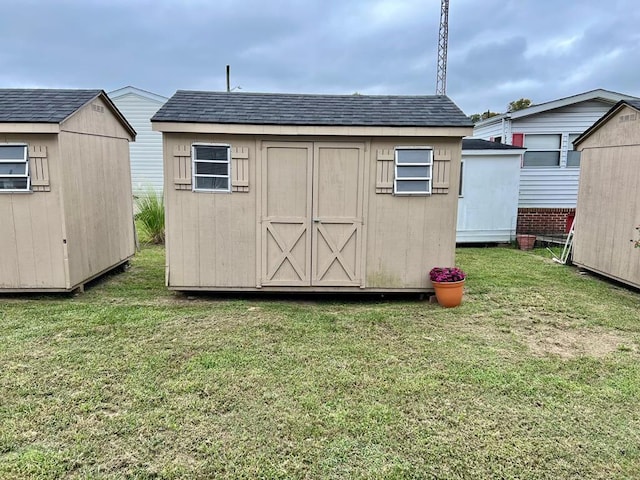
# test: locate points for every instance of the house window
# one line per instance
(573, 156)
(461, 178)
(413, 171)
(211, 167)
(14, 168)
(542, 150)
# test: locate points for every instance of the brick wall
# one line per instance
(543, 221)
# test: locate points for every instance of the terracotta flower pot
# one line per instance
(526, 242)
(449, 294)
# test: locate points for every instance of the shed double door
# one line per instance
(312, 214)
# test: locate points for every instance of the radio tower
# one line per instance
(443, 39)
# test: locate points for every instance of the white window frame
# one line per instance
(26, 175)
(428, 179)
(529, 149)
(195, 175)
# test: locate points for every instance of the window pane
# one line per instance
(572, 138)
(417, 171)
(542, 142)
(573, 158)
(212, 168)
(541, 159)
(13, 183)
(211, 153)
(12, 152)
(212, 183)
(420, 186)
(13, 168)
(414, 156)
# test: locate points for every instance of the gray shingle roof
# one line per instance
(634, 103)
(317, 110)
(41, 105)
(479, 144)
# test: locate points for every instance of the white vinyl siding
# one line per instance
(146, 151)
(550, 187)
(14, 168)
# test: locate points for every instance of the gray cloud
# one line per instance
(499, 50)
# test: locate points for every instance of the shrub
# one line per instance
(150, 217)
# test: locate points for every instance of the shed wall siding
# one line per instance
(488, 208)
(213, 238)
(31, 230)
(146, 151)
(608, 214)
(98, 211)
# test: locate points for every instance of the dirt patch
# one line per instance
(550, 340)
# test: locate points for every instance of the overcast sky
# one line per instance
(499, 50)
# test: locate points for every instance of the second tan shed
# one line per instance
(66, 213)
(607, 228)
(278, 192)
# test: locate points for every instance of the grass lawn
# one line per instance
(536, 375)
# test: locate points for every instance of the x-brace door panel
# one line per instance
(338, 187)
(312, 214)
(286, 213)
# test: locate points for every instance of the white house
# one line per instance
(138, 106)
(488, 214)
(550, 167)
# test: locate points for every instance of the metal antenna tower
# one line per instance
(443, 40)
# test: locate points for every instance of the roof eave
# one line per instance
(339, 130)
(599, 94)
(30, 127)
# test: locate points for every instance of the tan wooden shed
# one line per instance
(607, 228)
(335, 193)
(66, 213)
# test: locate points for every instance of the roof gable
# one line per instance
(129, 90)
(635, 104)
(606, 96)
(311, 110)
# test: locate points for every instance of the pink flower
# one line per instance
(446, 274)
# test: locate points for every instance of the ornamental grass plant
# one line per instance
(150, 217)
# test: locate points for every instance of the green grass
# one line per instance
(536, 375)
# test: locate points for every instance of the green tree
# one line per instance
(519, 104)
(476, 117)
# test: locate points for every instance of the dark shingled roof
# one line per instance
(634, 103)
(41, 105)
(479, 144)
(322, 110)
